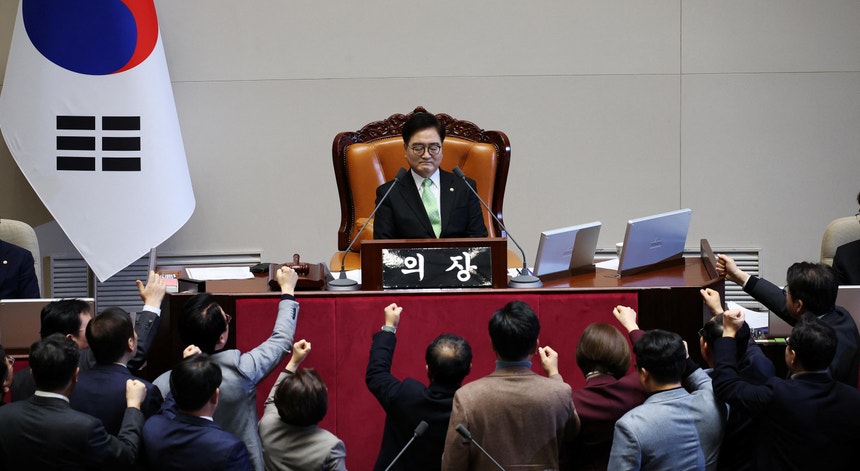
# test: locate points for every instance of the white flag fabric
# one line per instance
(87, 111)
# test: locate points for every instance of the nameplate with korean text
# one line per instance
(449, 267)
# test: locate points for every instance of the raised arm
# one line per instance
(381, 383)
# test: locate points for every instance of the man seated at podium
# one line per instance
(428, 203)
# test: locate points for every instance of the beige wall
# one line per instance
(747, 112)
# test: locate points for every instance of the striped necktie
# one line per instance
(431, 206)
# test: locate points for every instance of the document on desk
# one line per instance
(611, 264)
(220, 273)
(755, 319)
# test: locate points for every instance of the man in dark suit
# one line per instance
(71, 316)
(191, 440)
(17, 273)
(427, 203)
(43, 432)
(518, 416)
(408, 402)
(807, 422)
(846, 261)
(113, 341)
(809, 287)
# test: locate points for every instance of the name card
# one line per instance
(449, 267)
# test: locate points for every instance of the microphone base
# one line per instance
(525, 281)
(342, 284)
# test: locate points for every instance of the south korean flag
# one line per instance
(87, 112)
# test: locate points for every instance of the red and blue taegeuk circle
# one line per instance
(93, 37)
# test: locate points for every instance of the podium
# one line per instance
(372, 256)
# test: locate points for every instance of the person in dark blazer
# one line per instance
(99, 392)
(520, 418)
(427, 203)
(809, 287)
(807, 422)
(753, 366)
(408, 402)
(288, 429)
(70, 317)
(190, 440)
(603, 356)
(846, 261)
(43, 432)
(17, 273)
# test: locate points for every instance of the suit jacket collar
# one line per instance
(413, 199)
(196, 421)
(668, 395)
(52, 402)
(513, 371)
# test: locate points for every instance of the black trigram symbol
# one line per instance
(119, 152)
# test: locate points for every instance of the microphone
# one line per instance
(462, 430)
(342, 283)
(419, 430)
(525, 279)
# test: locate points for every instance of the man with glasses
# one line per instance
(808, 421)
(809, 287)
(428, 203)
(204, 324)
(846, 262)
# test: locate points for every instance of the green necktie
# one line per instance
(430, 205)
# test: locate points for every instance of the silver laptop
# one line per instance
(568, 248)
(848, 297)
(20, 321)
(654, 239)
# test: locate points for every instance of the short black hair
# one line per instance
(420, 121)
(193, 382)
(816, 284)
(814, 343)
(53, 362)
(663, 354)
(449, 359)
(514, 331)
(63, 317)
(302, 398)
(108, 335)
(201, 322)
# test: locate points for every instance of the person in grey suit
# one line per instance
(288, 430)
(429, 203)
(191, 440)
(518, 416)
(675, 428)
(204, 324)
(70, 317)
(43, 432)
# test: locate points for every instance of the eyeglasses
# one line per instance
(857, 216)
(10, 359)
(418, 149)
(785, 291)
(702, 332)
(228, 318)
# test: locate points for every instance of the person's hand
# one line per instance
(549, 360)
(392, 315)
(627, 317)
(287, 278)
(135, 392)
(727, 267)
(153, 292)
(191, 350)
(733, 320)
(712, 300)
(300, 352)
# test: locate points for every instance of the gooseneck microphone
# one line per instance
(419, 430)
(525, 279)
(462, 430)
(342, 283)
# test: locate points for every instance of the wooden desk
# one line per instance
(340, 325)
